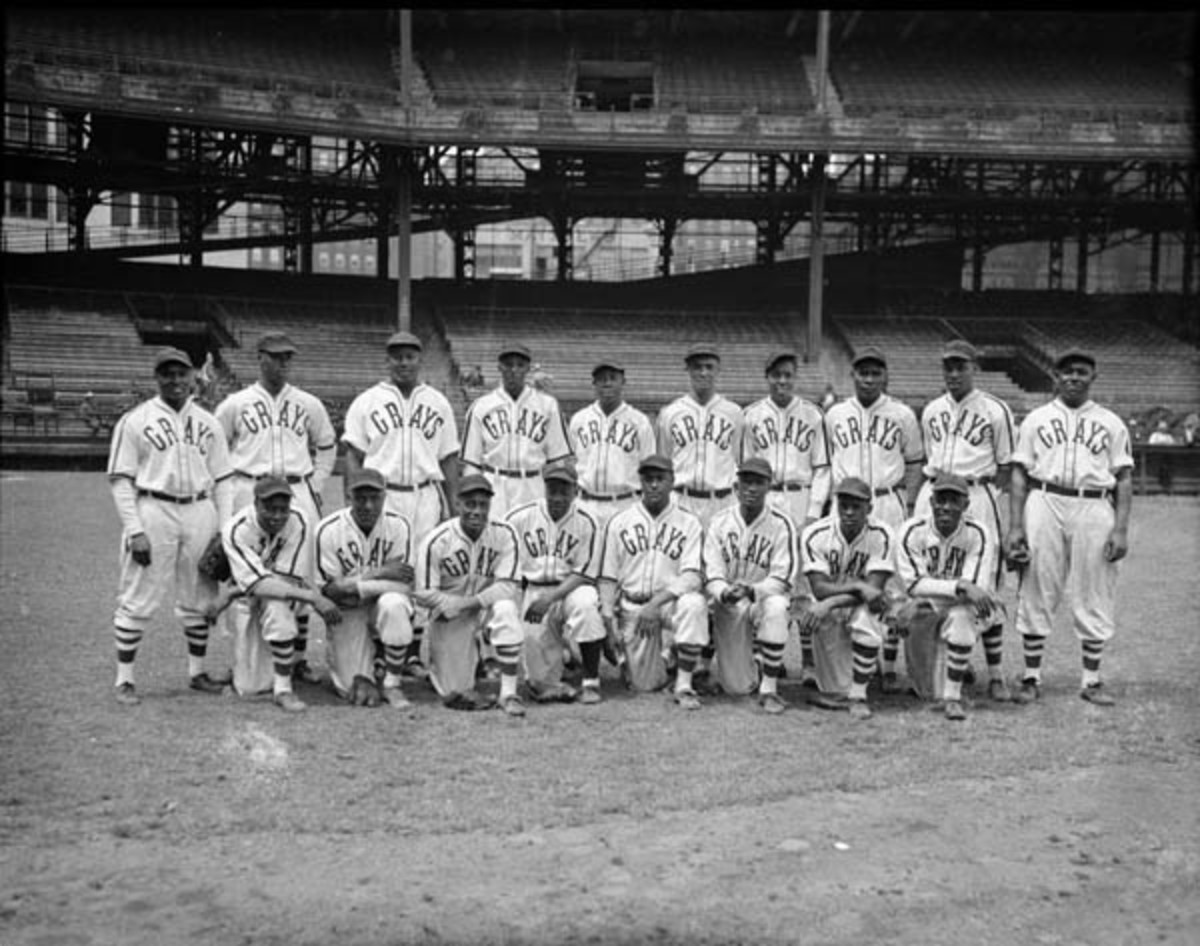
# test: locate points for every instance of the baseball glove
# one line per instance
(214, 563)
(363, 692)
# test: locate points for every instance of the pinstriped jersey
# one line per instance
(643, 553)
(522, 434)
(254, 554)
(761, 553)
(826, 551)
(1079, 448)
(177, 452)
(609, 447)
(343, 550)
(404, 438)
(791, 438)
(971, 437)
(872, 443)
(450, 561)
(549, 551)
(278, 435)
(930, 563)
(704, 441)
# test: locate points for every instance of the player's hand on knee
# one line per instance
(139, 548)
(327, 609)
(649, 621)
(536, 611)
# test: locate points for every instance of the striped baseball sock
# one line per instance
(993, 643)
(590, 651)
(301, 641)
(197, 645)
(508, 659)
(393, 663)
(283, 653)
(957, 658)
(891, 650)
(1034, 647)
(1092, 652)
(689, 655)
(807, 658)
(866, 656)
(127, 640)
(772, 664)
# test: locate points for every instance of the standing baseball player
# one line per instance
(945, 562)
(169, 472)
(269, 547)
(789, 433)
(609, 437)
(749, 564)
(877, 439)
(1071, 498)
(467, 578)
(510, 433)
(405, 429)
(276, 429)
(650, 584)
(559, 547)
(849, 557)
(364, 560)
(971, 434)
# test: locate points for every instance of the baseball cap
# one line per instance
(270, 486)
(870, 353)
(1074, 354)
(366, 479)
(563, 472)
(757, 466)
(607, 363)
(166, 356)
(515, 348)
(950, 483)
(404, 338)
(475, 483)
(276, 343)
(698, 349)
(656, 461)
(853, 486)
(960, 348)
(778, 356)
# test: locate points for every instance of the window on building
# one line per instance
(355, 262)
(39, 202)
(369, 262)
(17, 198)
(339, 260)
(122, 209)
(323, 261)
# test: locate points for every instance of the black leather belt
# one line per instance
(601, 498)
(293, 479)
(1067, 491)
(703, 493)
(168, 498)
(884, 490)
(401, 488)
(541, 584)
(524, 474)
(969, 480)
(788, 487)
(637, 599)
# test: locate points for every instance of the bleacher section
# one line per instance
(529, 71)
(707, 77)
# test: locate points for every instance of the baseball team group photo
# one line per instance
(513, 477)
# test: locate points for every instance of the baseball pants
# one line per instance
(350, 644)
(575, 619)
(513, 491)
(423, 507)
(684, 621)
(735, 629)
(256, 623)
(833, 646)
(705, 508)
(454, 650)
(603, 510)
(925, 645)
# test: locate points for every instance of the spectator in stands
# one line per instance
(1190, 423)
(473, 380)
(1135, 429)
(90, 413)
(1162, 437)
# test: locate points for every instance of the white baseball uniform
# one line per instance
(929, 565)
(874, 444)
(1071, 457)
(169, 471)
(406, 439)
(548, 554)
(385, 607)
(792, 440)
(704, 443)
(608, 449)
(761, 554)
(288, 435)
(451, 563)
(971, 438)
(510, 440)
(642, 555)
(825, 550)
(254, 555)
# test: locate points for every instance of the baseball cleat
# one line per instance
(1030, 692)
(394, 697)
(1094, 693)
(590, 695)
(859, 709)
(687, 699)
(771, 703)
(127, 695)
(954, 710)
(302, 672)
(827, 701)
(513, 706)
(206, 684)
(890, 683)
(289, 702)
(998, 691)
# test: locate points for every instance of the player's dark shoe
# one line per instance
(859, 709)
(554, 693)
(127, 695)
(771, 703)
(289, 702)
(1095, 694)
(704, 684)
(827, 701)
(954, 710)
(808, 680)
(1030, 691)
(590, 695)
(998, 691)
(394, 697)
(203, 683)
(687, 699)
(890, 683)
(513, 706)
(302, 672)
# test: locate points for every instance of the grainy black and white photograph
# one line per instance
(525, 477)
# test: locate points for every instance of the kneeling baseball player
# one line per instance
(363, 559)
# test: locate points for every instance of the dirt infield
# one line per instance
(194, 819)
